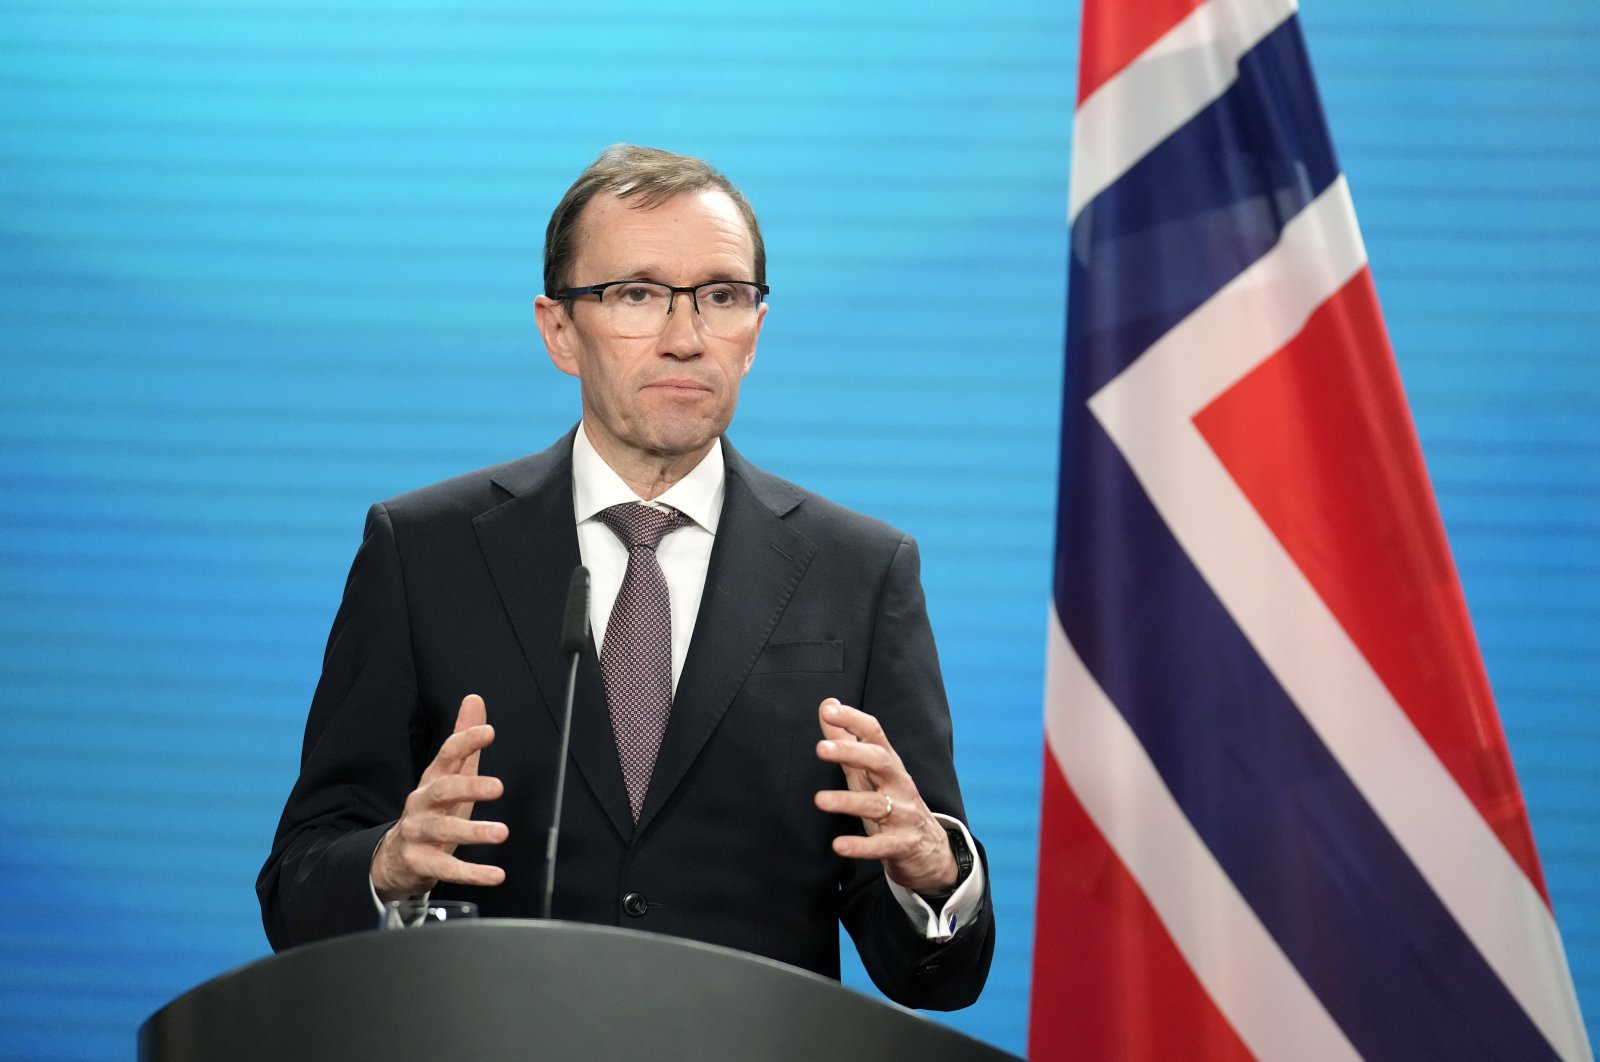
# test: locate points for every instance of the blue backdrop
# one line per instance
(264, 263)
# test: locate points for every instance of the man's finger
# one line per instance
(472, 734)
(868, 804)
(449, 790)
(471, 713)
(458, 754)
(831, 730)
(448, 830)
(874, 758)
(858, 724)
(882, 845)
(433, 863)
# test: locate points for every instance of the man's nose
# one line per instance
(683, 336)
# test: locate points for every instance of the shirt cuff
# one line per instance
(956, 911)
(373, 889)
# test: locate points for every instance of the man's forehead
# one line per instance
(613, 208)
(705, 221)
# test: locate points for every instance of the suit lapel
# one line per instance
(756, 563)
(531, 546)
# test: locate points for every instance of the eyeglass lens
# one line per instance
(640, 308)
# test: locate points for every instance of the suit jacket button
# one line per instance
(635, 904)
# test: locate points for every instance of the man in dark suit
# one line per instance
(733, 635)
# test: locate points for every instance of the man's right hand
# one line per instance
(416, 853)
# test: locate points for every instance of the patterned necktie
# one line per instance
(636, 658)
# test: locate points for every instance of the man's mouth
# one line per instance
(678, 385)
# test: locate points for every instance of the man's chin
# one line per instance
(694, 445)
(682, 432)
(657, 429)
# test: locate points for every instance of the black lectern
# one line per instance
(500, 989)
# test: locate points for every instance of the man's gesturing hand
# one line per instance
(416, 853)
(901, 830)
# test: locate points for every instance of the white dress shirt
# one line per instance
(684, 554)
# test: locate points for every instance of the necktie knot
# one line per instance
(641, 525)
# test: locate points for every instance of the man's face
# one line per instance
(672, 394)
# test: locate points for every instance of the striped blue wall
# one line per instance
(261, 264)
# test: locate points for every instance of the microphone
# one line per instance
(575, 626)
(574, 636)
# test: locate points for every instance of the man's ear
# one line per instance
(554, 319)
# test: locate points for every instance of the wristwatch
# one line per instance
(963, 857)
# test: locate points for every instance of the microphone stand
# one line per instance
(574, 633)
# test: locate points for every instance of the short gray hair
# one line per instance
(651, 176)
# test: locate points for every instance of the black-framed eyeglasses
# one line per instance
(639, 308)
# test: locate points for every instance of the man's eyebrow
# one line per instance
(715, 276)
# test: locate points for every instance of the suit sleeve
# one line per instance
(364, 737)
(905, 691)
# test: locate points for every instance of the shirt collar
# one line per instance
(595, 486)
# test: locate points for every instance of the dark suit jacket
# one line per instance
(458, 588)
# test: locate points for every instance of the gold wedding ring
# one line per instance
(888, 809)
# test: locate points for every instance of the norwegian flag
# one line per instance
(1280, 820)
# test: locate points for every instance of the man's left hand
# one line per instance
(901, 831)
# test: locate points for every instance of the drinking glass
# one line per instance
(417, 911)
